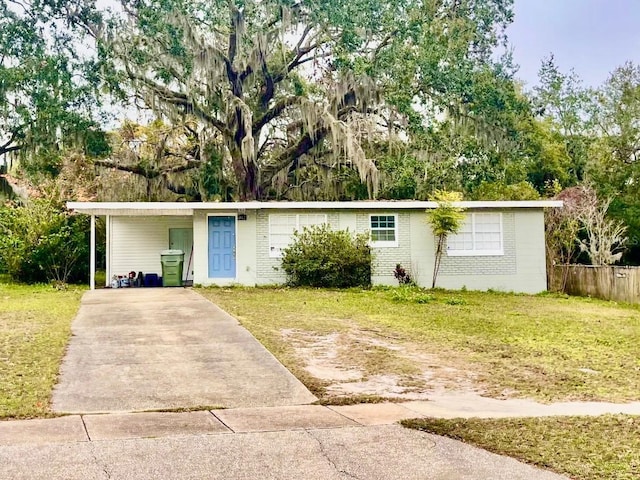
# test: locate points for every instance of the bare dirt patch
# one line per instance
(365, 362)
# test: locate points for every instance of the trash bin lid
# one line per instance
(172, 252)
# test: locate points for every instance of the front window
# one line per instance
(384, 230)
(282, 226)
(481, 234)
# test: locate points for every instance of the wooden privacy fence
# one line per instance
(621, 284)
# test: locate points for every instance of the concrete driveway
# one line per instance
(147, 349)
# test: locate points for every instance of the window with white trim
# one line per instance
(283, 225)
(383, 230)
(481, 234)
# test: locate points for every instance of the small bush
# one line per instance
(411, 294)
(402, 275)
(455, 301)
(41, 242)
(321, 257)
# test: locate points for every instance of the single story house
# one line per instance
(501, 245)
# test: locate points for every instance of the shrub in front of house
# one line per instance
(321, 257)
(40, 242)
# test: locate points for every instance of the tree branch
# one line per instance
(145, 171)
(303, 37)
(8, 147)
(312, 138)
(298, 60)
(5, 150)
(302, 147)
(385, 41)
(234, 79)
(274, 112)
(180, 99)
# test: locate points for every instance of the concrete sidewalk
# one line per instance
(291, 442)
(83, 428)
(284, 443)
(161, 348)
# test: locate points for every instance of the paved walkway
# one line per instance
(162, 348)
(291, 442)
(93, 427)
(284, 443)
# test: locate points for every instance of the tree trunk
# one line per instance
(436, 263)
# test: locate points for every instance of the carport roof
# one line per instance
(188, 208)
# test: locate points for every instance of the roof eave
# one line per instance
(188, 208)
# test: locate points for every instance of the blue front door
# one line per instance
(222, 247)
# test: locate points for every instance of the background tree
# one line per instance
(564, 105)
(445, 219)
(486, 145)
(44, 105)
(41, 242)
(562, 228)
(154, 162)
(581, 225)
(604, 238)
(501, 191)
(287, 94)
(614, 167)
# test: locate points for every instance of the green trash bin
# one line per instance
(172, 262)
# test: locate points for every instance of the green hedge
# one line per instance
(321, 257)
(41, 242)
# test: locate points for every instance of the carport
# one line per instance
(135, 211)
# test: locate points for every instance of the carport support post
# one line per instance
(92, 259)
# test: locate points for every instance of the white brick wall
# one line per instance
(487, 265)
(268, 269)
(135, 243)
(385, 259)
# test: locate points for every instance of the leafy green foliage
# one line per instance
(46, 97)
(560, 141)
(411, 294)
(445, 219)
(500, 191)
(40, 242)
(321, 257)
(288, 92)
(157, 162)
(613, 166)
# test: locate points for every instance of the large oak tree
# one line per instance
(287, 92)
(46, 100)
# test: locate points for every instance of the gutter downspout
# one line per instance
(108, 250)
(92, 259)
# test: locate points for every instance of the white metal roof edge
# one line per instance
(187, 208)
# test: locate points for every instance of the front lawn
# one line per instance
(35, 325)
(545, 347)
(584, 448)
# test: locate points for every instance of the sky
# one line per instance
(593, 37)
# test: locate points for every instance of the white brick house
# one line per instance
(501, 245)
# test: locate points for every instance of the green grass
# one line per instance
(35, 325)
(584, 448)
(529, 346)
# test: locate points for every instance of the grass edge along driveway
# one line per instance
(35, 327)
(583, 448)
